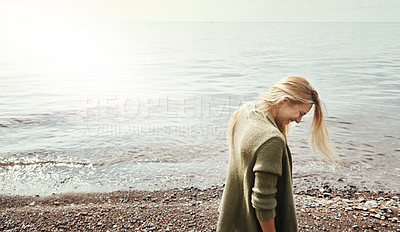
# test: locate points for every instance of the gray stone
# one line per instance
(371, 204)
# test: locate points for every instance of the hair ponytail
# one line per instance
(319, 134)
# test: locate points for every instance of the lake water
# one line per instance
(110, 106)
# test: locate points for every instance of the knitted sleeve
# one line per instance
(267, 168)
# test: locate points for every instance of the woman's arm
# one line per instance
(268, 226)
(267, 169)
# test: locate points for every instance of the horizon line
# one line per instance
(209, 21)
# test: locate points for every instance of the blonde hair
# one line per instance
(297, 90)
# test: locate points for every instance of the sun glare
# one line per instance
(68, 52)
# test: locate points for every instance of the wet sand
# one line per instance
(320, 207)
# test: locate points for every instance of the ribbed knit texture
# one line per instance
(259, 180)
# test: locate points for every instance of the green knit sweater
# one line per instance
(259, 181)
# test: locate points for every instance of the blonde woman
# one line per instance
(258, 192)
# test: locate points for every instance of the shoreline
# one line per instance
(319, 208)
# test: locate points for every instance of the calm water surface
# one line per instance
(102, 107)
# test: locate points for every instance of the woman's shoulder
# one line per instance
(261, 123)
(256, 130)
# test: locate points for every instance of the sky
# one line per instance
(201, 10)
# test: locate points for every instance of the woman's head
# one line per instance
(289, 100)
(288, 111)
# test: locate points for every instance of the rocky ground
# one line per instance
(319, 208)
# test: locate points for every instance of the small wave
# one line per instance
(40, 114)
(55, 163)
(26, 122)
(348, 123)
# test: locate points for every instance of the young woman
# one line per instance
(258, 192)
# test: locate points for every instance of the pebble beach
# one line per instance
(320, 207)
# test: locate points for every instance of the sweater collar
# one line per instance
(271, 118)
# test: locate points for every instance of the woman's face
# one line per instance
(288, 112)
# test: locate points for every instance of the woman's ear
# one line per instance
(286, 101)
(290, 102)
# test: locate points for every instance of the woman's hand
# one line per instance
(268, 226)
